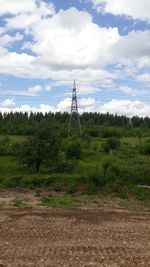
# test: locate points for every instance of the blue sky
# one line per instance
(103, 44)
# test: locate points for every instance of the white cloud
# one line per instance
(69, 45)
(144, 77)
(84, 104)
(6, 40)
(128, 90)
(87, 50)
(87, 89)
(29, 6)
(122, 107)
(65, 104)
(83, 43)
(6, 6)
(2, 30)
(20, 65)
(35, 90)
(24, 20)
(137, 9)
(8, 103)
(31, 91)
(26, 108)
(89, 101)
(48, 88)
(135, 45)
(126, 107)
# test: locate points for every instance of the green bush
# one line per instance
(64, 166)
(73, 149)
(90, 188)
(116, 187)
(146, 148)
(13, 182)
(109, 132)
(97, 179)
(72, 187)
(139, 192)
(65, 201)
(111, 144)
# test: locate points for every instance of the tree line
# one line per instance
(19, 123)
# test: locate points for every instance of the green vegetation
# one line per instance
(43, 147)
(73, 149)
(20, 203)
(66, 201)
(41, 155)
(112, 143)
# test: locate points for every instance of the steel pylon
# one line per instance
(74, 123)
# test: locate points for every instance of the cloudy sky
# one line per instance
(103, 44)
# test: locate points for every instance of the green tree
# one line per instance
(39, 149)
(111, 144)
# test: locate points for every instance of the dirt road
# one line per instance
(74, 238)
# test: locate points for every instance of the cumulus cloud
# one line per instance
(65, 104)
(128, 90)
(89, 101)
(31, 91)
(144, 77)
(122, 107)
(26, 108)
(8, 103)
(136, 9)
(83, 43)
(69, 45)
(126, 107)
(6, 40)
(6, 6)
(83, 104)
(24, 20)
(30, 6)
(20, 65)
(135, 46)
(35, 90)
(87, 48)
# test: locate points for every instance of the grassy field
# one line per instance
(118, 174)
(13, 138)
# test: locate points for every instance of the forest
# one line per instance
(110, 156)
(26, 124)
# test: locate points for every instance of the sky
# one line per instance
(103, 44)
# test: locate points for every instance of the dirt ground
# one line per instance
(74, 238)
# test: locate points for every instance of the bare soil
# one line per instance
(41, 237)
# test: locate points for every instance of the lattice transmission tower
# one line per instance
(74, 123)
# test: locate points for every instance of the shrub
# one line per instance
(139, 192)
(146, 148)
(116, 187)
(90, 188)
(109, 132)
(111, 144)
(72, 187)
(65, 201)
(74, 149)
(96, 178)
(64, 166)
